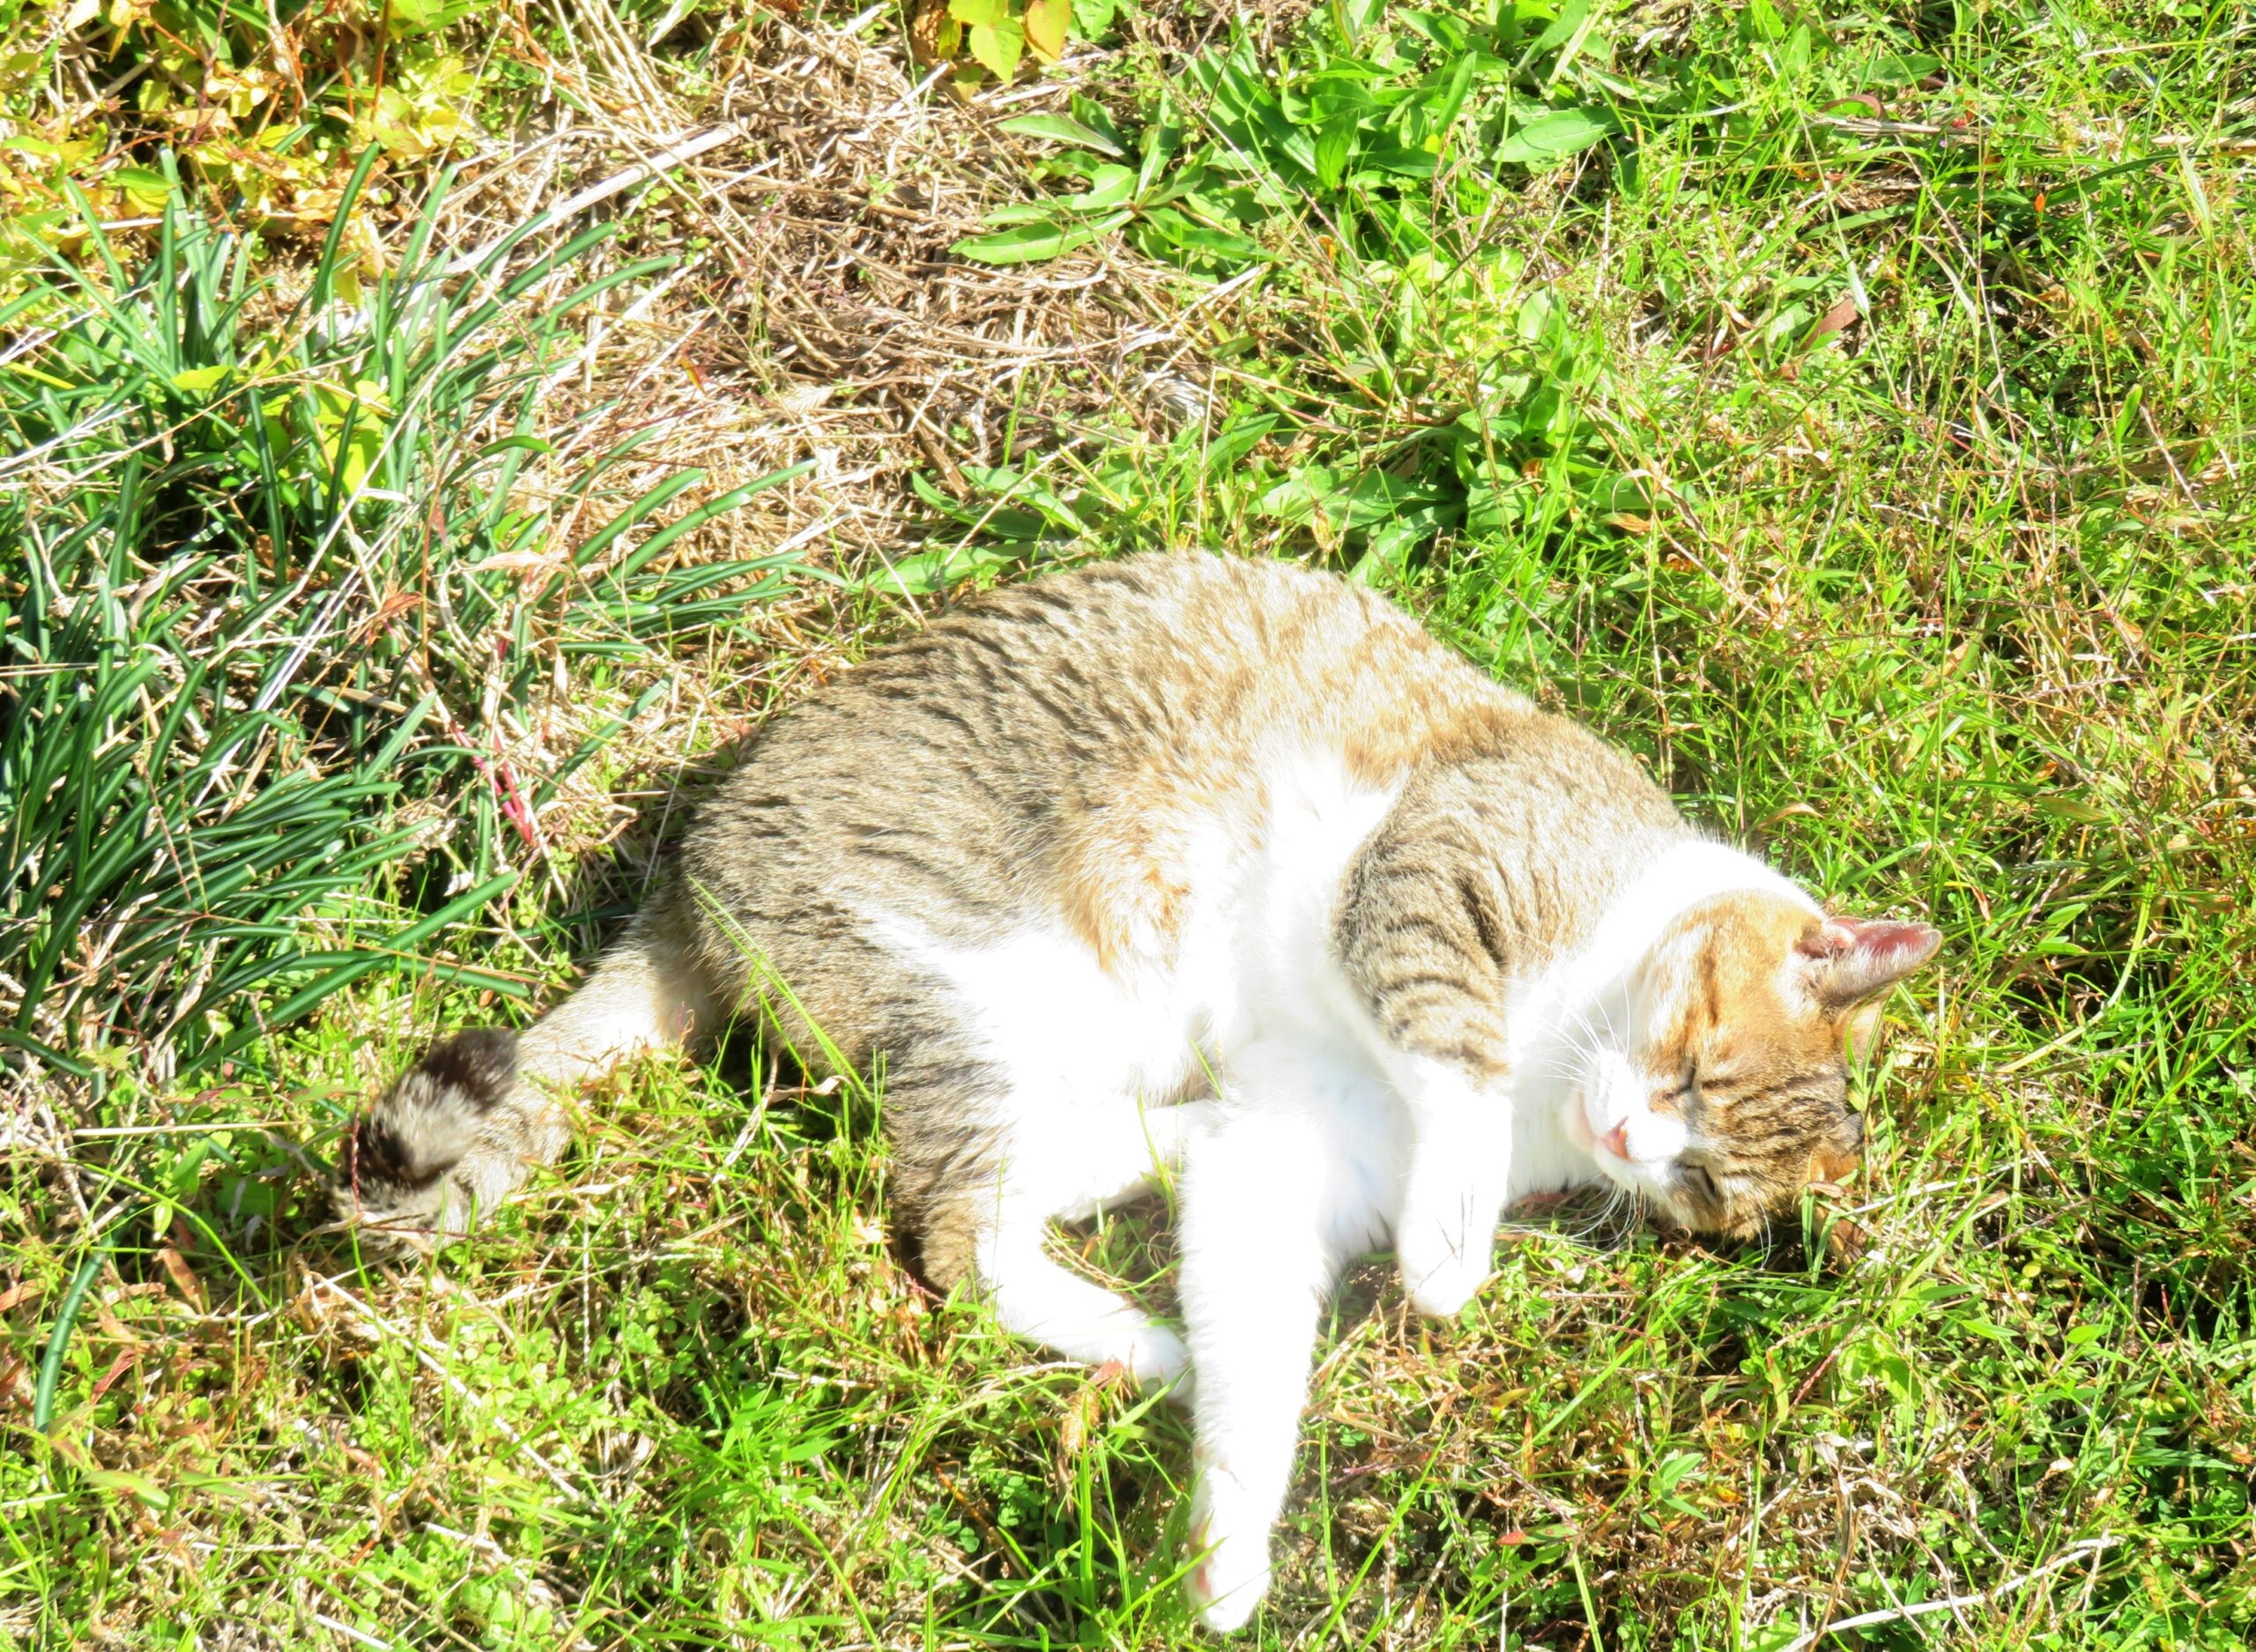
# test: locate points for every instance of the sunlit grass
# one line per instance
(1891, 500)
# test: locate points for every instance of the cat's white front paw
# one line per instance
(1152, 1358)
(1441, 1280)
(1231, 1541)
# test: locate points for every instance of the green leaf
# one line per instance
(200, 381)
(1620, 494)
(1093, 17)
(930, 570)
(997, 47)
(1671, 1470)
(1332, 150)
(707, 512)
(1307, 489)
(1065, 130)
(980, 13)
(1761, 22)
(654, 501)
(408, 18)
(1536, 312)
(1396, 160)
(145, 184)
(1166, 227)
(1901, 70)
(1569, 18)
(1564, 132)
(1037, 243)
(1049, 210)
(1109, 187)
(1356, 16)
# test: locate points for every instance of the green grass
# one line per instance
(1889, 492)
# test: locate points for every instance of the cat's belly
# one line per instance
(1154, 1015)
(1061, 1029)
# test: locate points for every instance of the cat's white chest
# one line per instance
(1267, 945)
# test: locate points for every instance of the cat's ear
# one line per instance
(1846, 960)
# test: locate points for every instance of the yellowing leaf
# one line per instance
(138, 1486)
(1045, 27)
(35, 375)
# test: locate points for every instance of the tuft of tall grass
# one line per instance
(267, 577)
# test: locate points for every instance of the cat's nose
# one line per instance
(1616, 1141)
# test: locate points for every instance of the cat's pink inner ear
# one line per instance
(1852, 959)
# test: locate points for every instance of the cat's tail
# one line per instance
(479, 1111)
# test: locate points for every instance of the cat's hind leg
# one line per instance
(1296, 1179)
(995, 1227)
(1123, 1155)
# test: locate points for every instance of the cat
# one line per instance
(1226, 869)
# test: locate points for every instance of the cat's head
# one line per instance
(1723, 1091)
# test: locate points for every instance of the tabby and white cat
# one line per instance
(1224, 868)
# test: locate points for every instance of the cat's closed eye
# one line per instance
(1673, 1101)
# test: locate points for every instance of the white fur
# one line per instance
(635, 1001)
(1320, 1141)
